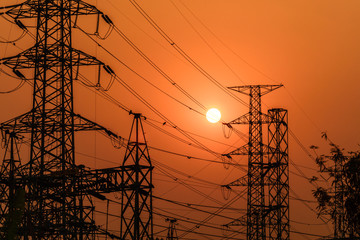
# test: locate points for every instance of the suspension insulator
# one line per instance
(108, 69)
(107, 19)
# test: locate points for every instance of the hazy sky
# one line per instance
(311, 47)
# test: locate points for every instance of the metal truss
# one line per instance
(278, 175)
(136, 212)
(57, 199)
(258, 166)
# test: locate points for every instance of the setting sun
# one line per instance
(213, 115)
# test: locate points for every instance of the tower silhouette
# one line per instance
(171, 235)
(136, 212)
(267, 177)
(58, 193)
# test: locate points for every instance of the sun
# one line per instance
(213, 115)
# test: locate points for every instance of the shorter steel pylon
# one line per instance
(136, 211)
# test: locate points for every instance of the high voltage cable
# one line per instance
(207, 43)
(157, 112)
(252, 66)
(189, 221)
(175, 126)
(114, 101)
(217, 212)
(151, 37)
(246, 62)
(239, 133)
(206, 138)
(103, 94)
(185, 205)
(143, 78)
(157, 68)
(196, 158)
(185, 55)
(292, 134)
(171, 135)
(303, 148)
(183, 219)
(117, 103)
(188, 183)
(203, 147)
(180, 181)
(225, 45)
(186, 175)
(307, 205)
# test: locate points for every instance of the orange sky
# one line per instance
(312, 47)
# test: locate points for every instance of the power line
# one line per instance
(207, 43)
(185, 55)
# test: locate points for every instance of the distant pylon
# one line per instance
(136, 210)
(12, 195)
(172, 234)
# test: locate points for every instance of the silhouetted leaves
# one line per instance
(323, 199)
(344, 191)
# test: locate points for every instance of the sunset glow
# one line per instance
(180, 119)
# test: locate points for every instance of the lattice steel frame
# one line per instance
(12, 199)
(278, 175)
(171, 234)
(136, 211)
(54, 198)
(256, 206)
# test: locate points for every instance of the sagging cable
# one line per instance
(228, 126)
(226, 190)
(110, 29)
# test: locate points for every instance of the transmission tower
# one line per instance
(136, 211)
(278, 175)
(58, 202)
(171, 235)
(11, 190)
(257, 218)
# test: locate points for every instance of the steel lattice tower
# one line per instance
(136, 212)
(11, 191)
(171, 235)
(57, 200)
(257, 167)
(278, 175)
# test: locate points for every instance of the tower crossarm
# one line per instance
(27, 59)
(245, 119)
(23, 124)
(101, 231)
(102, 180)
(243, 181)
(93, 182)
(31, 8)
(244, 150)
(242, 221)
(247, 89)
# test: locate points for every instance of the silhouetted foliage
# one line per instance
(352, 202)
(341, 199)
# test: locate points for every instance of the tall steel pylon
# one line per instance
(278, 175)
(57, 200)
(136, 211)
(257, 218)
